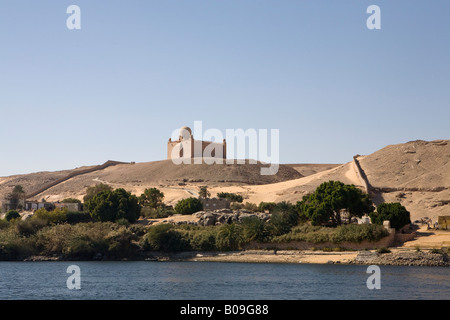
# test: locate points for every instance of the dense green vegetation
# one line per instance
(107, 230)
(117, 240)
(188, 206)
(233, 197)
(152, 198)
(330, 199)
(12, 214)
(113, 205)
(397, 215)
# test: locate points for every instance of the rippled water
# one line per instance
(145, 280)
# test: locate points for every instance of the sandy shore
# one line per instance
(396, 256)
(280, 256)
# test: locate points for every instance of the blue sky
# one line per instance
(137, 70)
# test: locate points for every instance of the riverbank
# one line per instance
(396, 256)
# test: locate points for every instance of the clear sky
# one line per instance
(137, 70)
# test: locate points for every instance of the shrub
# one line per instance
(85, 240)
(229, 237)
(233, 197)
(30, 226)
(122, 242)
(281, 221)
(250, 207)
(283, 206)
(199, 237)
(70, 200)
(78, 216)
(155, 213)
(12, 214)
(123, 222)
(4, 224)
(52, 217)
(203, 241)
(236, 206)
(54, 239)
(277, 225)
(254, 229)
(358, 233)
(343, 233)
(383, 250)
(188, 206)
(162, 237)
(14, 246)
(269, 206)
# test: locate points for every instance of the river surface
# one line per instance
(150, 280)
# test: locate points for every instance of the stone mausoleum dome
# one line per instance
(185, 133)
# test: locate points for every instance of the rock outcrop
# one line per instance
(217, 217)
(404, 258)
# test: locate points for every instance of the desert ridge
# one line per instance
(416, 174)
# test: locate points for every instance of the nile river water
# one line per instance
(145, 280)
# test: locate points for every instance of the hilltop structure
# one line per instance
(187, 147)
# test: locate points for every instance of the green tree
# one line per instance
(12, 214)
(281, 222)
(233, 197)
(152, 197)
(96, 189)
(254, 229)
(114, 205)
(203, 192)
(188, 206)
(394, 212)
(229, 237)
(330, 199)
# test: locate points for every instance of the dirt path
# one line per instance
(429, 239)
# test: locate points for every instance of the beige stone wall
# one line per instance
(197, 148)
(215, 203)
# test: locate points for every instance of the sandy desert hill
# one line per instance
(177, 180)
(416, 174)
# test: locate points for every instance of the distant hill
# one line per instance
(416, 174)
(156, 173)
(414, 165)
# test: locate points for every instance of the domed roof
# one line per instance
(185, 133)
